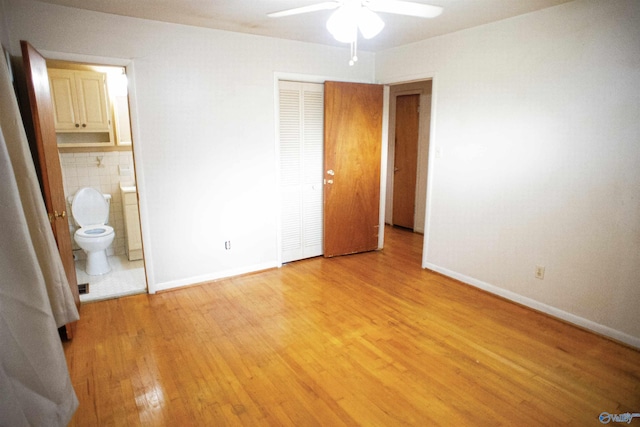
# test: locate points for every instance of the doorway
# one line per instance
(424, 90)
(406, 185)
(109, 168)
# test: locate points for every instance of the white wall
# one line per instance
(538, 123)
(204, 129)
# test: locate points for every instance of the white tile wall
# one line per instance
(83, 170)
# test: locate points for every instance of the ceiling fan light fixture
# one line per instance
(343, 24)
(369, 23)
(353, 15)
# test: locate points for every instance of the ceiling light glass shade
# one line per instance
(369, 23)
(343, 24)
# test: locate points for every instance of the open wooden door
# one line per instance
(405, 160)
(37, 80)
(353, 138)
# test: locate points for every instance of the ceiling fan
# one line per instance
(353, 15)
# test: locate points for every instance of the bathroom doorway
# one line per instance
(104, 162)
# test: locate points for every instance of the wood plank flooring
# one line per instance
(369, 339)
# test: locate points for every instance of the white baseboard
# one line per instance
(215, 276)
(538, 306)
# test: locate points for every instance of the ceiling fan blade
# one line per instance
(327, 5)
(400, 7)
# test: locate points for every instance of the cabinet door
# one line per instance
(80, 101)
(65, 105)
(132, 222)
(92, 101)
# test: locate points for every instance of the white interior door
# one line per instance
(301, 169)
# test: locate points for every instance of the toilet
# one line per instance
(90, 211)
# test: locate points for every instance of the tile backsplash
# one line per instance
(103, 171)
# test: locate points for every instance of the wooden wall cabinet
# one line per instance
(81, 108)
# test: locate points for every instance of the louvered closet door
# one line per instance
(301, 169)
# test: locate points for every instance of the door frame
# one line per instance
(309, 78)
(314, 78)
(431, 149)
(137, 153)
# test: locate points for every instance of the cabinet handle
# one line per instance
(84, 125)
(77, 125)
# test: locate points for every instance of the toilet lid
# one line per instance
(89, 207)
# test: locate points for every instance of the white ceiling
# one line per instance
(250, 16)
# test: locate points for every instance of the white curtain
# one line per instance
(35, 388)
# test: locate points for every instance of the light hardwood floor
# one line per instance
(369, 339)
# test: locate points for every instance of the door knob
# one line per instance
(55, 215)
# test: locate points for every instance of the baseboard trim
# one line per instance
(541, 307)
(195, 280)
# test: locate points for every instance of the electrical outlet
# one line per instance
(539, 272)
(227, 245)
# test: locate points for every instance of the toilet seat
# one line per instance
(94, 231)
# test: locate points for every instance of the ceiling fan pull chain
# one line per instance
(351, 59)
(354, 49)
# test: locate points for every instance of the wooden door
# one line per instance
(405, 160)
(353, 137)
(49, 167)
